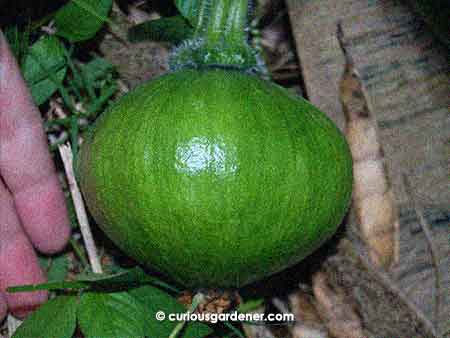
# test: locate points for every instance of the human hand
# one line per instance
(32, 204)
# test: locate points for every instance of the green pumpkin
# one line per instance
(214, 177)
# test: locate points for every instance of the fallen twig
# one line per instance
(80, 210)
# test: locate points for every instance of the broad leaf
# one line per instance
(154, 300)
(54, 319)
(111, 315)
(173, 29)
(81, 19)
(44, 68)
(189, 9)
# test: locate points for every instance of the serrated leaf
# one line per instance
(80, 20)
(189, 9)
(111, 315)
(173, 29)
(56, 267)
(154, 300)
(44, 68)
(54, 319)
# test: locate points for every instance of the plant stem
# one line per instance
(223, 21)
(237, 22)
(196, 301)
(221, 38)
(203, 13)
(79, 252)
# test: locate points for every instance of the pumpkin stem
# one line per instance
(221, 39)
(226, 22)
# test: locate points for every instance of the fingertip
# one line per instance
(26, 303)
(19, 266)
(55, 242)
(43, 212)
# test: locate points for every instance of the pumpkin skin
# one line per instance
(214, 177)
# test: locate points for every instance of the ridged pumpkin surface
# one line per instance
(215, 177)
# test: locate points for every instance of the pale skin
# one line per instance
(33, 213)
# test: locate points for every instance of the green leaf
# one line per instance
(54, 319)
(189, 9)
(96, 69)
(55, 266)
(135, 276)
(50, 286)
(81, 19)
(71, 211)
(173, 29)
(44, 68)
(129, 278)
(154, 300)
(19, 41)
(106, 95)
(111, 315)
